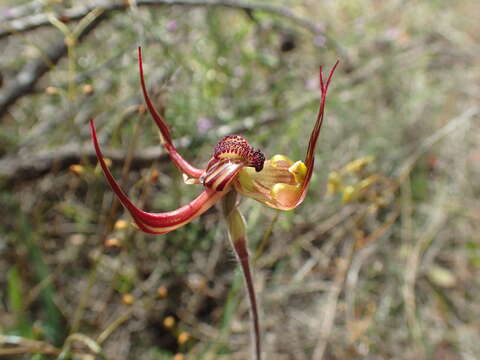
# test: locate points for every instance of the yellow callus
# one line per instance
(298, 170)
(278, 185)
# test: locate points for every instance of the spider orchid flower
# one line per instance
(235, 167)
(278, 182)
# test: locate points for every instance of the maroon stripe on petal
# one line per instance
(226, 180)
(221, 174)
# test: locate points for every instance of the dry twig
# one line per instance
(31, 165)
(21, 10)
(34, 21)
(16, 345)
(24, 83)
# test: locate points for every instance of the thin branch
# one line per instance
(10, 13)
(31, 165)
(34, 21)
(24, 83)
(114, 325)
(16, 345)
(27, 77)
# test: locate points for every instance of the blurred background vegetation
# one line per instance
(382, 261)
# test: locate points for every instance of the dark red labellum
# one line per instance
(236, 147)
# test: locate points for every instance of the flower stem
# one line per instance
(237, 235)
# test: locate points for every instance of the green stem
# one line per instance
(243, 257)
(238, 239)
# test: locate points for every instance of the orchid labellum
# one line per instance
(234, 168)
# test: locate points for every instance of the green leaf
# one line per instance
(15, 303)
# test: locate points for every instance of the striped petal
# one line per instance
(183, 165)
(158, 223)
(278, 185)
(220, 173)
(283, 184)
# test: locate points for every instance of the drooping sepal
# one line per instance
(157, 223)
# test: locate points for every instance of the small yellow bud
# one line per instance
(50, 90)
(365, 183)
(77, 169)
(113, 242)
(334, 182)
(358, 164)
(348, 194)
(162, 292)
(169, 322)
(183, 337)
(120, 225)
(87, 89)
(128, 299)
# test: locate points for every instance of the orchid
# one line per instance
(235, 167)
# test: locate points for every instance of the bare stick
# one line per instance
(34, 21)
(29, 165)
(16, 345)
(11, 13)
(25, 81)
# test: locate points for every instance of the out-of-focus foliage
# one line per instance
(385, 264)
